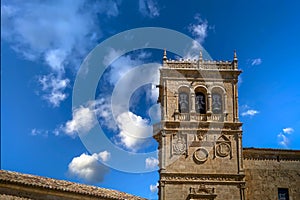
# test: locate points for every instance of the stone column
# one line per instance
(209, 103)
(235, 102)
(163, 150)
(242, 191)
(176, 103)
(176, 111)
(240, 153)
(165, 101)
(162, 190)
(225, 107)
(193, 102)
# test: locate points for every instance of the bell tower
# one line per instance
(199, 136)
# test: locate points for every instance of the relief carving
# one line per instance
(223, 149)
(200, 155)
(202, 192)
(178, 144)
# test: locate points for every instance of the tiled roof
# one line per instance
(61, 185)
(12, 197)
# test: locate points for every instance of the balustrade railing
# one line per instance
(199, 117)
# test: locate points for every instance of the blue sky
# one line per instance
(43, 45)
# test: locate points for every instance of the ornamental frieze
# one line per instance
(201, 178)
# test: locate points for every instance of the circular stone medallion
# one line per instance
(223, 149)
(201, 154)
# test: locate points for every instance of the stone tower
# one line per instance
(199, 136)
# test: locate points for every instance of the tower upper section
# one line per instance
(199, 90)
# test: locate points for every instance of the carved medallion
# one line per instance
(223, 149)
(201, 155)
(179, 144)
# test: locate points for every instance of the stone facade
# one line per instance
(267, 170)
(200, 135)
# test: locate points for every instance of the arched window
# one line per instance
(217, 103)
(200, 103)
(183, 101)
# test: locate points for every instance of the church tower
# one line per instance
(199, 136)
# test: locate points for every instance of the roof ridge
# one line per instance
(61, 185)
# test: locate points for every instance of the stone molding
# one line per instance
(202, 178)
(271, 154)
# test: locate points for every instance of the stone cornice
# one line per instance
(271, 154)
(202, 178)
(204, 125)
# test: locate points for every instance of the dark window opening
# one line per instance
(217, 103)
(183, 102)
(283, 194)
(200, 103)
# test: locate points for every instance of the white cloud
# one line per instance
(288, 130)
(250, 112)
(103, 110)
(153, 188)
(55, 59)
(88, 168)
(256, 61)
(199, 29)
(133, 130)
(36, 132)
(104, 156)
(123, 64)
(149, 8)
(283, 137)
(59, 38)
(151, 163)
(84, 119)
(283, 140)
(53, 87)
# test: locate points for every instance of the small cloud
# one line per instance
(149, 8)
(151, 163)
(53, 88)
(84, 119)
(88, 168)
(283, 140)
(283, 137)
(39, 132)
(288, 130)
(250, 113)
(104, 156)
(199, 29)
(256, 61)
(154, 188)
(134, 130)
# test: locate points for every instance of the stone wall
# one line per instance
(267, 170)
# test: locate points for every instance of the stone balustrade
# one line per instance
(199, 117)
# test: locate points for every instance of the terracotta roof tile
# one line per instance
(61, 185)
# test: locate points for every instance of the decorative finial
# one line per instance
(165, 55)
(234, 57)
(235, 61)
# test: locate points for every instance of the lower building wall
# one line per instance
(182, 192)
(264, 177)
